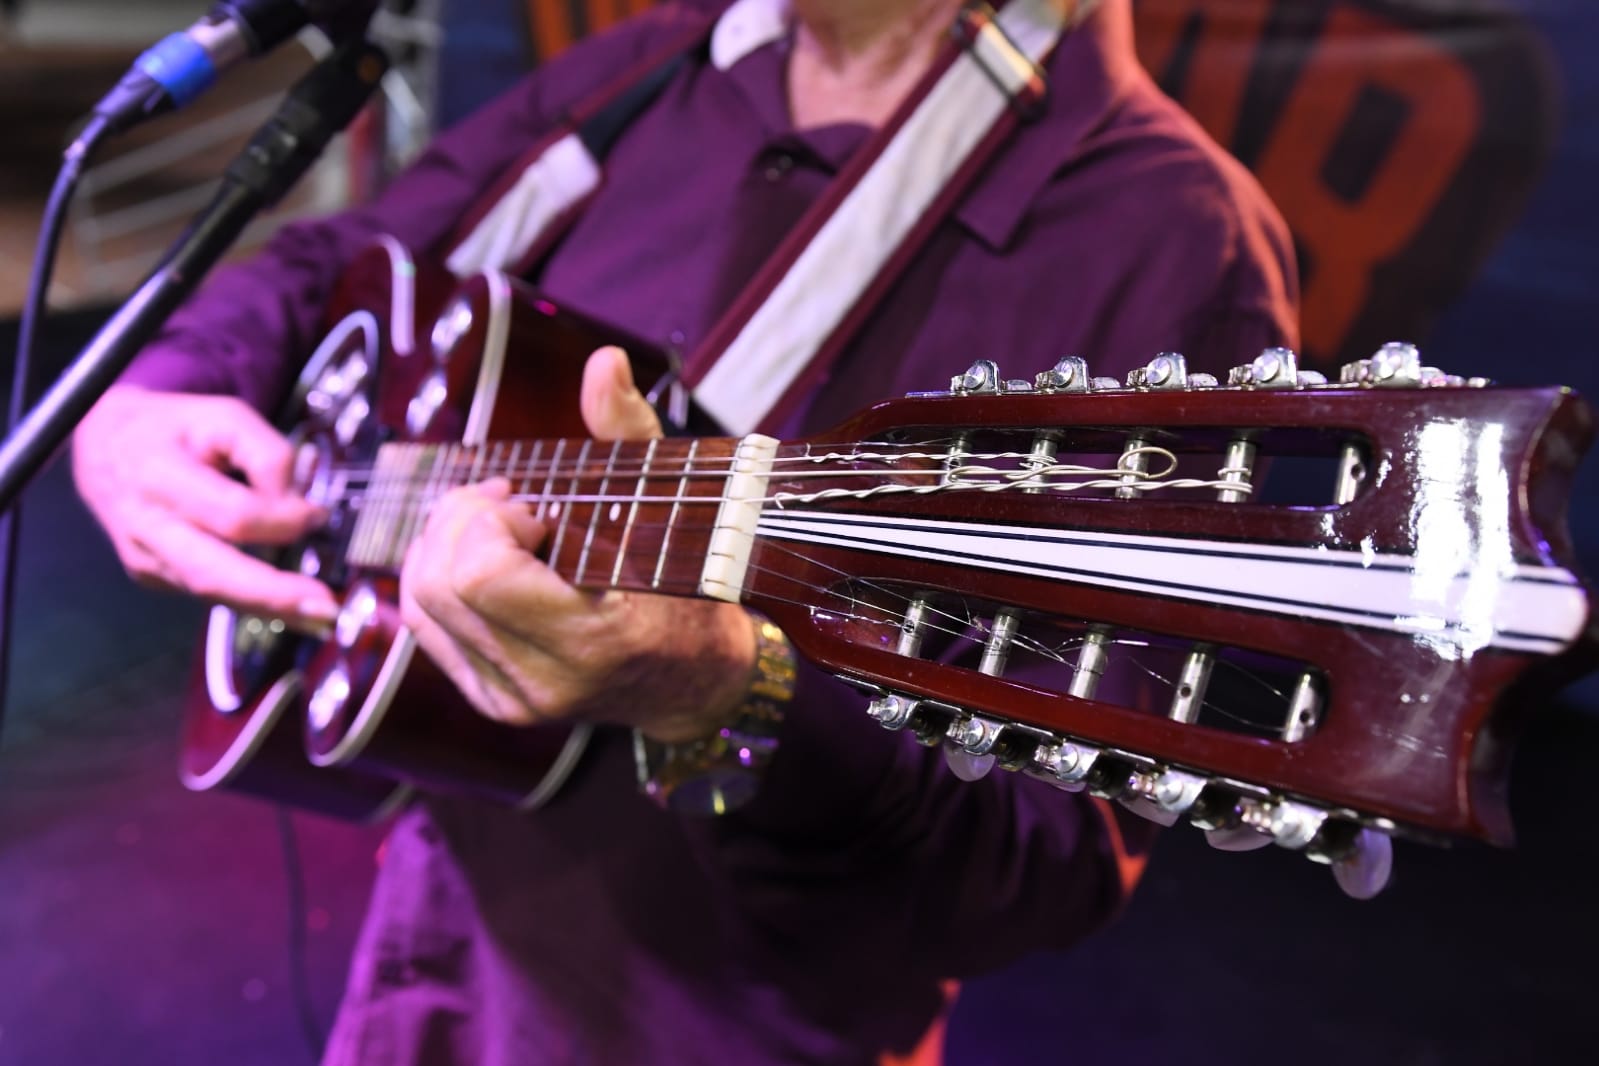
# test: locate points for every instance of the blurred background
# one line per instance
(1437, 160)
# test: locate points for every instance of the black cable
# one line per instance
(299, 976)
(44, 262)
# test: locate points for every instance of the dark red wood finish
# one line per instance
(1436, 766)
(1487, 469)
(213, 741)
(429, 735)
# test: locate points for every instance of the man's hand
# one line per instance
(154, 468)
(523, 646)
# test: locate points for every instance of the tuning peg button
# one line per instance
(1366, 870)
(966, 766)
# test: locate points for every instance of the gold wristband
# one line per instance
(718, 773)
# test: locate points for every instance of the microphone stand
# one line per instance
(320, 105)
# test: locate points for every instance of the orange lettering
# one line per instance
(1225, 44)
(1349, 241)
(605, 13)
(551, 21)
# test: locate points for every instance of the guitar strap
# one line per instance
(782, 333)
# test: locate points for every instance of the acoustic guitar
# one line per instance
(1313, 611)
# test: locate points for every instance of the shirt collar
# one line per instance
(1089, 72)
(746, 26)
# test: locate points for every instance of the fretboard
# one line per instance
(634, 515)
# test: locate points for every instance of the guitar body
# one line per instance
(345, 726)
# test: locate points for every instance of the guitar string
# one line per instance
(1036, 468)
(1117, 478)
(1056, 654)
(721, 467)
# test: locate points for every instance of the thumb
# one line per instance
(613, 408)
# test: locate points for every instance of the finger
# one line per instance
(613, 408)
(218, 504)
(234, 434)
(474, 551)
(197, 562)
(481, 682)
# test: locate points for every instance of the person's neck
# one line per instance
(855, 60)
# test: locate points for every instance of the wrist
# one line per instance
(719, 768)
(725, 679)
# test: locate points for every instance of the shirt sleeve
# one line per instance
(254, 322)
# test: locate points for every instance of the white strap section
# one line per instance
(559, 179)
(782, 337)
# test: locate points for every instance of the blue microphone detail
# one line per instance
(180, 66)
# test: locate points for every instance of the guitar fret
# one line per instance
(532, 467)
(549, 480)
(510, 465)
(416, 511)
(566, 512)
(632, 511)
(677, 505)
(475, 474)
(594, 517)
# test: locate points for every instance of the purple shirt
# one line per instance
(817, 924)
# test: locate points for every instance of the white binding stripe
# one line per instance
(496, 338)
(402, 287)
(1527, 608)
(553, 183)
(780, 339)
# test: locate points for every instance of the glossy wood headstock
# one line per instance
(1335, 622)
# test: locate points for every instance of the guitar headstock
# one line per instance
(1279, 605)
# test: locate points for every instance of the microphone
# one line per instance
(183, 65)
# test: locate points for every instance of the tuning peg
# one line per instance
(1392, 366)
(981, 376)
(966, 766)
(1065, 764)
(1168, 370)
(1366, 870)
(1069, 375)
(1237, 838)
(892, 712)
(1289, 824)
(1148, 809)
(1274, 368)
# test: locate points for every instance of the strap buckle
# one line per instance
(1012, 70)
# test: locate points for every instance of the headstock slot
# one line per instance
(1248, 692)
(1263, 467)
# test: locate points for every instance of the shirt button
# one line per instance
(780, 165)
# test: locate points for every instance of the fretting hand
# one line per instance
(524, 646)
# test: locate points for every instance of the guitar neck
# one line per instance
(635, 515)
